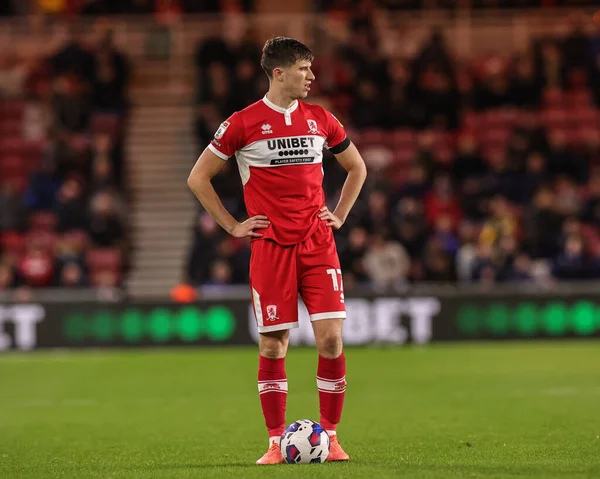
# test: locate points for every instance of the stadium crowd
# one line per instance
(63, 196)
(484, 171)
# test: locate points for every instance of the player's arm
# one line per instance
(353, 163)
(199, 181)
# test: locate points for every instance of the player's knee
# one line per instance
(330, 344)
(273, 346)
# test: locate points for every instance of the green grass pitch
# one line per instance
(501, 410)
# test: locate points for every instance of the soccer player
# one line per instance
(278, 143)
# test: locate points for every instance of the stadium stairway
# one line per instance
(161, 152)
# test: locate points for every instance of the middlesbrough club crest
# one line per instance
(272, 313)
(312, 127)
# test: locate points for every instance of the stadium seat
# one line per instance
(554, 118)
(497, 137)
(585, 116)
(403, 138)
(43, 221)
(372, 137)
(12, 242)
(12, 165)
(404, 156)
(553, 98)
(581, 98)
(107, 124)
(45, 239)
(12, 144)
(103, 259)
(12, 110)
(11, 128)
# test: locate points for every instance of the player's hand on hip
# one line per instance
(332, 220)
(241, 230)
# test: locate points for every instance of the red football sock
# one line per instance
(272, 389)
(331, 382)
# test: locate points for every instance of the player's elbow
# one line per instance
(191, 181)
(360, 169)
(194, 181)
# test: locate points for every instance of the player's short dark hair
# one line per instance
(283, 52)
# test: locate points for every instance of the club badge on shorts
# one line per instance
(272, 313)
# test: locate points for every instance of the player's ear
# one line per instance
(278, 74)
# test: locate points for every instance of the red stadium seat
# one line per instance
(471, 121)
(496, 119)
(11, 128)
(585, 116)
(12, 110)
(12, 165)
(45, 239)
(582, 98)
(553, 98)
(43, 221)
(403, 138)
(12, 242)
(497, 137)
(372, 137)
(104, 258)
(107, 124)
(554, 118)
(12, 144)
(404, 156)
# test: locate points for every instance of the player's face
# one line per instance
(298, 78)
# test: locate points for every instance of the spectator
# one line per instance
(104, 226)
(351, 255)
(203, 250)
(8, 277)
(386, 263)
(467, 252)
(37, 266)
(71, 276)
(74, 59)
(442, 200)
(12, 210)
(43, 188)
(70, 206)
(111, 76)
(571, 262)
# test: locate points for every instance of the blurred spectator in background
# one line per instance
(104, 226)
(12, 209)
(386, 264)
(37, 266)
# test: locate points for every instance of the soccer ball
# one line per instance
(305, 441)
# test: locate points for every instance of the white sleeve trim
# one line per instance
(220, 154)
(333, 315)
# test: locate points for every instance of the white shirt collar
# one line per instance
(285, 111)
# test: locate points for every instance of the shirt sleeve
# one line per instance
(337, 141)
(229, 138)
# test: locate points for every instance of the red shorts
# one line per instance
(279, 273)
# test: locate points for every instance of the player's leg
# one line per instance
(272, 381)
(323, 294)
(331, 372)
(275, 300)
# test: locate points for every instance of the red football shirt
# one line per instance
(280, 154)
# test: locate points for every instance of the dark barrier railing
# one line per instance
(391, 320)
